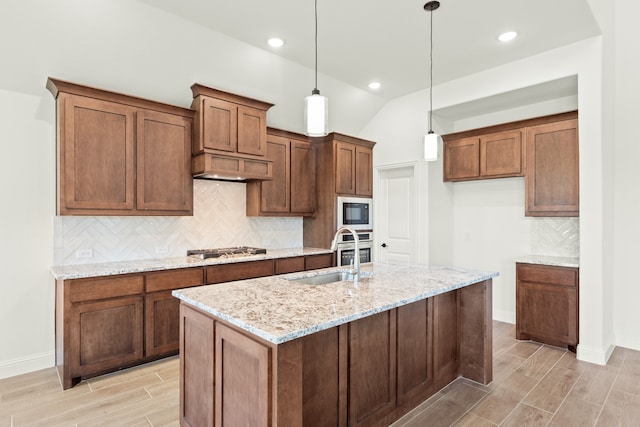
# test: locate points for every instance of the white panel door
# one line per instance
(396, 209)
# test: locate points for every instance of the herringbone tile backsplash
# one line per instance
(219, 220)
(556, 236)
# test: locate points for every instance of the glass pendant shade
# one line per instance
(316, 114)
(430, 143)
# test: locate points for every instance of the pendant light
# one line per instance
(431, 140)
(316, 110)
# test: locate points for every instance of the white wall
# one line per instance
(394, 123)
(123, 46)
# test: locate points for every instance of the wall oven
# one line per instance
(347, 248)
(355, 212)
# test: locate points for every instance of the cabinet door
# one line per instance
(97, 165)
(313, 262)
(462, 159)
(164, 162)
(552, 174)
(501, 154)
(252, 131)
(372, 368)
(219, 125)
(303, 177)
(162, 323)
(546, 313)
(105, 334)
(275, 194)
(364, 171)
(239, 271)
(345, 168)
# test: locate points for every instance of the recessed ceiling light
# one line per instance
(508, 36)
(375, 85)
(275, 42)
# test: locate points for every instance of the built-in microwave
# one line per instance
(355, 212)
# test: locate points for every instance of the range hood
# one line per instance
(225, 167)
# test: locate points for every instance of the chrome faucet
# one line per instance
(355, 270)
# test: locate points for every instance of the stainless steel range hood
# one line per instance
(234, 167)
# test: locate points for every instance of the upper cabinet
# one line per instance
(552, 187)
(353, 169)
(230, 135)
(121, 155)
(292, 191)
(492, 155)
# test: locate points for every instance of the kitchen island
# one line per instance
(276, 352)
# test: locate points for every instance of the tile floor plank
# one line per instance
(553, 389)
(576, 412)
(525, 416)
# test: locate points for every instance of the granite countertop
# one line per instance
(279, 310)
(140, 266)
(558, 261)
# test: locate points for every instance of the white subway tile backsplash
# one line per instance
(219, 220)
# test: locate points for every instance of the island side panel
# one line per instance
(476, 333)
(196, 368)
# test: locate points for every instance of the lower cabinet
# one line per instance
(108, 323)
(547, 304)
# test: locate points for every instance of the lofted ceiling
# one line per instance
(387, 40)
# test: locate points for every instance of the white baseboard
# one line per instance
(23, 365)
(595, 355)
(504, 316)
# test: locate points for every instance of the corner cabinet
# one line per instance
(552, 180)
(120, 155)
(230, 135)
(292, 191)
(547, 304)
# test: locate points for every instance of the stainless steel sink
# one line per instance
(334, 276)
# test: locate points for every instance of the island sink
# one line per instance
(330, 277)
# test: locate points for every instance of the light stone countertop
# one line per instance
(558, 261)
(140, 266)
(279, 310)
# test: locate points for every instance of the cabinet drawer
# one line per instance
(289, 265)
(105, 287)
(562, 276)
(239, 271)
(319, 261)
(174, 279)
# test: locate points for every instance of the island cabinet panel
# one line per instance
(415, 342)
(242, 373)
(197, 366)
(475, 320)
(445, 333)
(239, 271)
(372, 368)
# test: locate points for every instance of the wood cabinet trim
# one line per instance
(198, 89)
(174, 279)
(105, 287)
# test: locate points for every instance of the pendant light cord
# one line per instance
(430, 69)
(316, 45)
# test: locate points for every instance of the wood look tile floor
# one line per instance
(534, 385)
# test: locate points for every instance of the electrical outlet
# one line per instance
(161, 250)
(84, 253)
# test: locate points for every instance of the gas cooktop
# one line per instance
(225, 252)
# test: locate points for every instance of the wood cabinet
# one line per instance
(552, 179)
(292, 191)
(162, 310)
(353, 169)
(368, 372)
(547, 304)
(121, 155)
(230, 135)
(238, 271)
(494, 155)
(344, 166)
